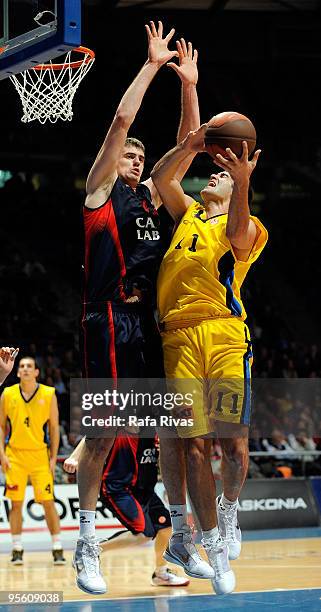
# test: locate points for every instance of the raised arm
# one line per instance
(165, 172)
(104, 171)
(240, 229)
(188, 73)
(190, 115)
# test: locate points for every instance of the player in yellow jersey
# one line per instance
(206, 342)
(29, 409)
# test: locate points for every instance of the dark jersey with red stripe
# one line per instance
(124, 245)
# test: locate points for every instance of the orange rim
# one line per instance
(69, 64)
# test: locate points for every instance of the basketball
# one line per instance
(229, 129)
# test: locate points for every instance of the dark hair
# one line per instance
(29, 357)
(134, 142)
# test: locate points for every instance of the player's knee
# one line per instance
(235, 452)
(196, 456)
(99, 447)
(16, 505)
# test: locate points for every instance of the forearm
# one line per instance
(54, 441)
(2, 439)
(166, 168)
(77, 451)
(132, 99)
(190, 114)
(239, 212)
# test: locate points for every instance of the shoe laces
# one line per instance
(214, 548)
(90, 552)
(229, 517)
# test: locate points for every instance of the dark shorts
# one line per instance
(120, 342)
(147, 518)
(127, 488)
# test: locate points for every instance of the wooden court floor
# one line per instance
(263, 565)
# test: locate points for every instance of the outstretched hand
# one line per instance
(240, 168)
(158, 52)
(187, 68)
(194, 140)
(7, 357)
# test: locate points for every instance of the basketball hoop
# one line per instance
(47, 90)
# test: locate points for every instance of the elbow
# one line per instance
(123, 119)
(155, 176)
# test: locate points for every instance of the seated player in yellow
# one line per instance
(206, 340)
(30, 409)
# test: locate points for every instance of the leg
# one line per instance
(181, 549)
(172, 464)
(235, 459)
(15, 518)
(51, 516)
(53, 523)
(16, 482)
(160, 544)
(200, 481)
(90, 469)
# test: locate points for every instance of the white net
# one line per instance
(47, 93)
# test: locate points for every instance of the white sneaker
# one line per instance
(224, 579)
(166, 577)
(86, 564)
(182, 551)
(229, 529)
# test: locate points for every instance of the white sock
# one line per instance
(178, 514)
(226, 504)
(211, 534)
(87, 519)
(16, 542)
(56, 541)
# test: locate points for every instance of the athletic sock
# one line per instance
(211, 534)
(178, 514)
(226, 504)
(16, 542)
(56, 541)
(87, 520)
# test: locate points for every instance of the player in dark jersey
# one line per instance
(127, 490)
(124, 244)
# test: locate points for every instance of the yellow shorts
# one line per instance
(24, 463)
(211, 360)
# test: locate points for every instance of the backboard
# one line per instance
(35, 31)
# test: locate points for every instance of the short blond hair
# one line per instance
(134, 142)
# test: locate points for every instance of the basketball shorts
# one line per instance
(211, 361)
(24, 464)
(127, 488)
(147, 517)
(120, 341)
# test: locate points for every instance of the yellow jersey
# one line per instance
(200, 276)
(28, 419)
